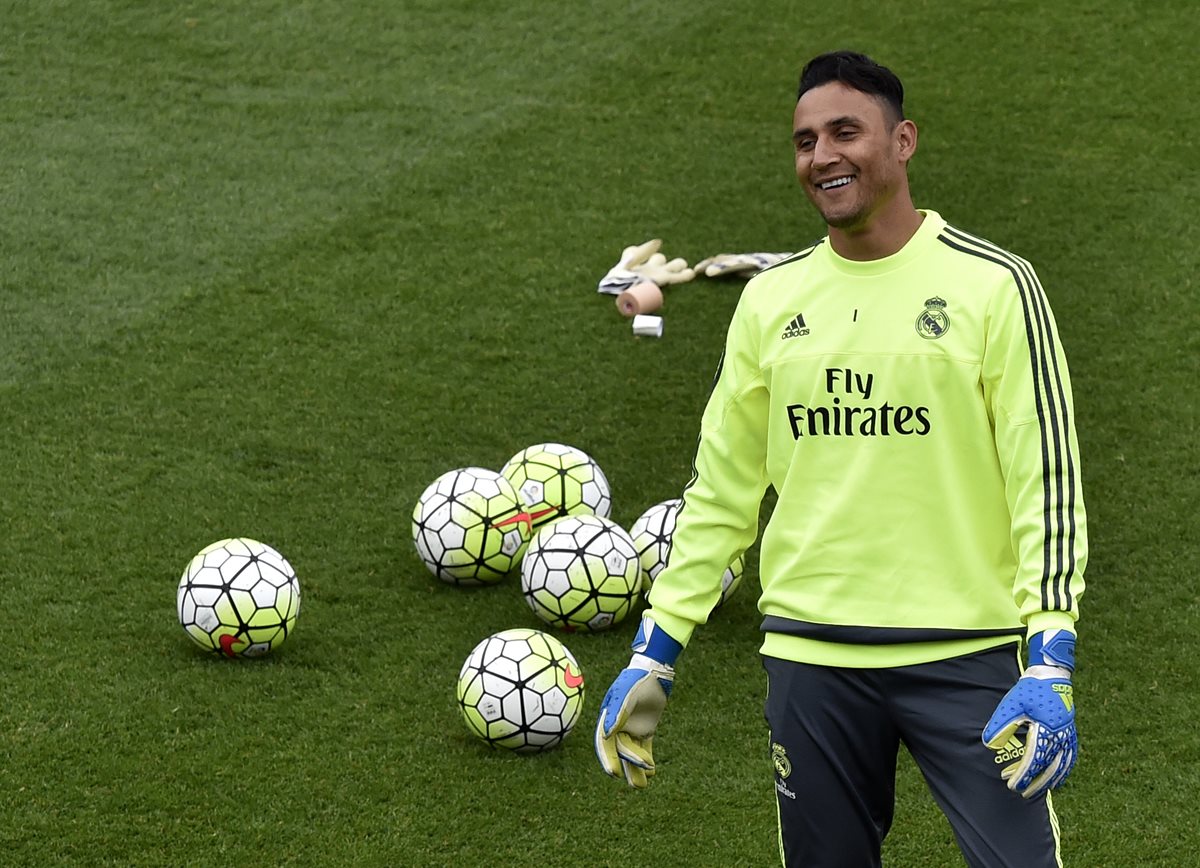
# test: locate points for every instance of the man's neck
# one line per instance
(884, 235)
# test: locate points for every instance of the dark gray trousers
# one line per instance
(835, 735)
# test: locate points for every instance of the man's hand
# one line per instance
(737, 264)
(634, 703)
(641, 262)
(1043, 701)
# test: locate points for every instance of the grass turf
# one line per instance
(268, 271)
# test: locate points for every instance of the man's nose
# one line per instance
(824, 153)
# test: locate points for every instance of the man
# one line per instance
(902, 386)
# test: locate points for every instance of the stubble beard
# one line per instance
(852, 216)
(844, 218)
(848, 220)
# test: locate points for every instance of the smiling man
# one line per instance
(902, 386)
(852, 152)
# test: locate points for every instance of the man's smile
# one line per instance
(835, 183)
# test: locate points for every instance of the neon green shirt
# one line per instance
(914, 416)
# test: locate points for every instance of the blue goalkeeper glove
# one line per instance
(634, 703)
(1041, 700)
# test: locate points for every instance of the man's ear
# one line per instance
(905, 137)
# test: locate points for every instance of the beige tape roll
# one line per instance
(644, 297)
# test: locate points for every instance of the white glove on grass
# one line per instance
(642, 262)
(737, 264)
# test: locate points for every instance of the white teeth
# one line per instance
(837, 182)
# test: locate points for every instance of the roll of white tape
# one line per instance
(647, 326)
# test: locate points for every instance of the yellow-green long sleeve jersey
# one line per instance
(914, 416)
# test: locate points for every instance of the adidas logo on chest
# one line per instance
(796, 328)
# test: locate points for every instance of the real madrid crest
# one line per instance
(933, 322)
(783, 766)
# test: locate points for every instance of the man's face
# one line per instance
(850, 160)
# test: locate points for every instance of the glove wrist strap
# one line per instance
(1053, 648)
(653, 642)
(643, 661)
(617, 281)
(1044, 672)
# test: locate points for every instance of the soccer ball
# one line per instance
(581, 573)
(238, 598)
(651, 535)
(520, 690)
(556, 481)
(469, 527)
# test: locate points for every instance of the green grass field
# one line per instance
(269, 268)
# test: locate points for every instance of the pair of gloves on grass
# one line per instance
(642, 262)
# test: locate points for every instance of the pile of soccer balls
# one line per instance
(546, 514)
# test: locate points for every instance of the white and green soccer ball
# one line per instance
(555, 480)
(238, 598)
(469, 527)
(651, 535)
(581, 573)
(520, 690)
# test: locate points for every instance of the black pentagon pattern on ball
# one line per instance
(555, 480)
(437, 559)
(511, 680)
(652, 534)
(581, 573)
(238, 597)
(450, 510)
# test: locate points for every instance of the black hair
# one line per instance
(859, 72)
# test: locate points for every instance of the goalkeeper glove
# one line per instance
(633, 705)
(643, 262)
(1041, 700)
(737, 264)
